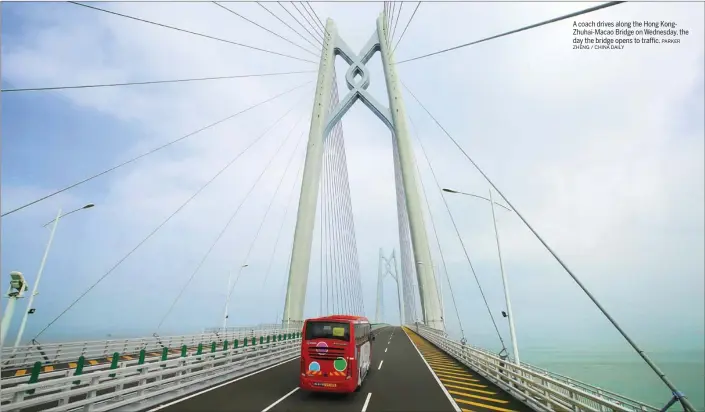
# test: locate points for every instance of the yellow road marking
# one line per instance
(482, 405)
(476, 385)
(446, 365)
(457, 371)
(73, 365)
(48, 368)
(457, 378)
(93, 362)
(127, 357)
(21, 372)
(484, 398)
(460, 378)
(465, 388)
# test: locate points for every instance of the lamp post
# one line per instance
(227, 296)
(41, 269)
(18, 286)
(512, 331)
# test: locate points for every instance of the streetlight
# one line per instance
(41, 269)
(227, 296)
(501, 268)
(18, 286)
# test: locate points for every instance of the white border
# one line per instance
(452, 401)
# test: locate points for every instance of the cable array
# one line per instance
(191, 32)
(408, 268)
(235, 213)
(340, 264)
(149, 152)
(156, 229)
(677, 395)
(265, 29)
(433, 227)
(532, 26)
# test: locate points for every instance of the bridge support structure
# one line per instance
(322, 123)
(388, 266)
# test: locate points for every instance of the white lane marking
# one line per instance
(380, 365)
(367, 401)
(452, 402)
(385, 350)
(280, 399)
(219, 386)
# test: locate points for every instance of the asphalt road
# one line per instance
(398, 381)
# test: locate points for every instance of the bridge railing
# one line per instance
(133, 387)
(538, 388)
(55, 353)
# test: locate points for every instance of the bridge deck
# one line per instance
(400, 380)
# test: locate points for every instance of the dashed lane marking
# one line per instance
(220, 386)
(367, 402)
(462, 384)
(380, 365)
(280, 399)
(385, 350)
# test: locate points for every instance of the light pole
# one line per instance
(18, 286)
(227, 296)
(41, 269)
(512, 331)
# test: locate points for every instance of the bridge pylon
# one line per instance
(322, 122)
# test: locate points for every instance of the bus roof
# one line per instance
(341, 317)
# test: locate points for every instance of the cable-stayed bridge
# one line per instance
(418, 365)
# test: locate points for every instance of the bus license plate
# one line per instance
(325, 385)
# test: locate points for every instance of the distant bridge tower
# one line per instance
(321, 125)
(387, 266)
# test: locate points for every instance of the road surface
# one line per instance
(400, 380)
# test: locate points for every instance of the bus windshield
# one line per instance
(327, 330)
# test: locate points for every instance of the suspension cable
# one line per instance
(264, 218)
(577, 13)
(349, 229)
(679, 395)
(88, 179)
(287, 25)
(196, 79)
(313, 26)
(191, 32)
(457, 232)
(152, 233)
(323, 26)
(433, 227)
(396, 22)
(264, 28)
(299, 22)
(232, 216)
(281, 227)
(406, 27)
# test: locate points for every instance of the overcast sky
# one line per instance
(602, 151)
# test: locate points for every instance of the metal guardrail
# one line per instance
(53, 353)
(134, 387)
(536, 387)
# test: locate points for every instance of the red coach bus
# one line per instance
(335, 353)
